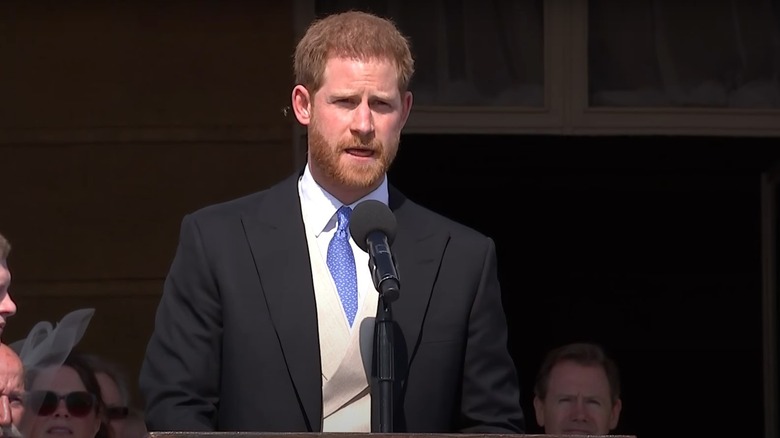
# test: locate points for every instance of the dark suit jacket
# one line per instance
(235, 345)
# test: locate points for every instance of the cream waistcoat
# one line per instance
(346, 400)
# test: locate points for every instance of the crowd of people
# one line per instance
(50, 388)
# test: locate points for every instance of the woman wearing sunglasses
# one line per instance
(65, 401)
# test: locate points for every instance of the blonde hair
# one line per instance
(5, 248)
(352, 34)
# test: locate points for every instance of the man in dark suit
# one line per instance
(261, 323)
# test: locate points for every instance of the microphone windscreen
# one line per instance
(370, 216)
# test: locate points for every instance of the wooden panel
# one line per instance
(113, 211)
(144, 63)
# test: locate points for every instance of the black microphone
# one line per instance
(373, 226)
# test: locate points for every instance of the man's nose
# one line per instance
(7, 306)
(362, 120)
(5, 411)
(579, 411)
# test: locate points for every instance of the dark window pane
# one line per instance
(468, 52)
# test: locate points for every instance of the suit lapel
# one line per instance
(418, 250)
(277, 238)
(278, 242)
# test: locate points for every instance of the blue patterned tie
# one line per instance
(341, 262)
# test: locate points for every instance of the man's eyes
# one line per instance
(590, 401)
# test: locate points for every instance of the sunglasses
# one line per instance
(78, 404)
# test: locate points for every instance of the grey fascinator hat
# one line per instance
(48, 345)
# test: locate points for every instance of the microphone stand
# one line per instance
(385, 355)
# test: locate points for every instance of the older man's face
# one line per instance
(11, 391)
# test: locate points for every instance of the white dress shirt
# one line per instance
(319, 217)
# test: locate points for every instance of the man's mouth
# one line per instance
(360, 152)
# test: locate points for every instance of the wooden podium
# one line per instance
(356, 435)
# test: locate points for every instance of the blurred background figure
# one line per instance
(577, 391)
(135, 425)
(114, 389)
(11, 392)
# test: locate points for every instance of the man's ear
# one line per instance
(301, 104)
(616, 407)
(406, 107)
(539, 410)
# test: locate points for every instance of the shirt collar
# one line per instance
(319, 207)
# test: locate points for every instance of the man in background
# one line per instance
(7, 305)
(577, 391)
(11, 391)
